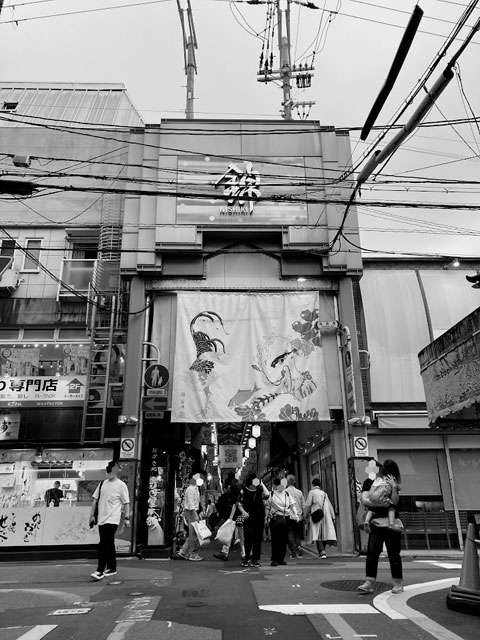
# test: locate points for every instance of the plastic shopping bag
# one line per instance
(225, 532)
(201, 529)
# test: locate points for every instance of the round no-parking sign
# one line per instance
(360, 446)
(127, 448)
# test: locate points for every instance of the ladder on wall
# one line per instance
(102, 324)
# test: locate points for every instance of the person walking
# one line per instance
(229, 507)
(381, 533)
(111, 496)
(323, 531)
(280, 507)
(191, 506)
(210, 514)
(295, 527)
(252, 498)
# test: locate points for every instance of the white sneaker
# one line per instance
(194, 557)
(397, 587)
(367, 587)
(97, 575)
(107, 572)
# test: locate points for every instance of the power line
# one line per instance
(16, 21)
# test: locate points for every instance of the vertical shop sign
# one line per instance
(154, 515)
(349, 380)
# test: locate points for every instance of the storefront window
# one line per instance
(421, 486)
(466, 467)
(33, 359)
(46, 496)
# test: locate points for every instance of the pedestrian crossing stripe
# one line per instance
(34, 633)
(311, 609)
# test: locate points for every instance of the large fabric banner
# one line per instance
(248, 357)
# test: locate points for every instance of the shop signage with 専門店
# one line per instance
(42, 391)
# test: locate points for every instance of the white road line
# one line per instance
(441, 565)
(139, 609)
(343, 628)
(40, 631)
(395, 605)
(120, 630)
(311, 609)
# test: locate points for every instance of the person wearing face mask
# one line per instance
(112, 497)
(280, 508)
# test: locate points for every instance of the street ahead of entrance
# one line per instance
(308, 599)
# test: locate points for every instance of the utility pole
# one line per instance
(285, 62)
(286, 72)
(189, 46)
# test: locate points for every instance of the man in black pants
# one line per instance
(112, 497)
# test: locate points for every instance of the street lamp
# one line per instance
(256, 430)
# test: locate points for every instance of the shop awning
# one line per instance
(450, 368)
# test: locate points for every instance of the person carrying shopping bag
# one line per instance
(229, 508)
(322, 525)
(190, 515)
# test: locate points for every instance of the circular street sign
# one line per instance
(127, 448)
(156, 376)
(360, 443)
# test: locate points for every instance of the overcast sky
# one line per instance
(354, 44)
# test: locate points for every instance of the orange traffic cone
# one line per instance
(466, 597)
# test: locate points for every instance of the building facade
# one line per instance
(239, 311)
(404, 305)
(177, 295)
(62, 345)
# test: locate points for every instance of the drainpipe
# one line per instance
(348, 439)
(348, 512)
(139, 435)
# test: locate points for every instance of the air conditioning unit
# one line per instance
(9, 282)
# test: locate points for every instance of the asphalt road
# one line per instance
(211, 600)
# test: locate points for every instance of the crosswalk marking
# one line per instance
(342, 627)
(38, 632)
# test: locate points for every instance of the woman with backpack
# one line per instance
(322, 526)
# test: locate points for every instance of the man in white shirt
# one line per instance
(295, 529)
(191, 505)
(112, 497)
